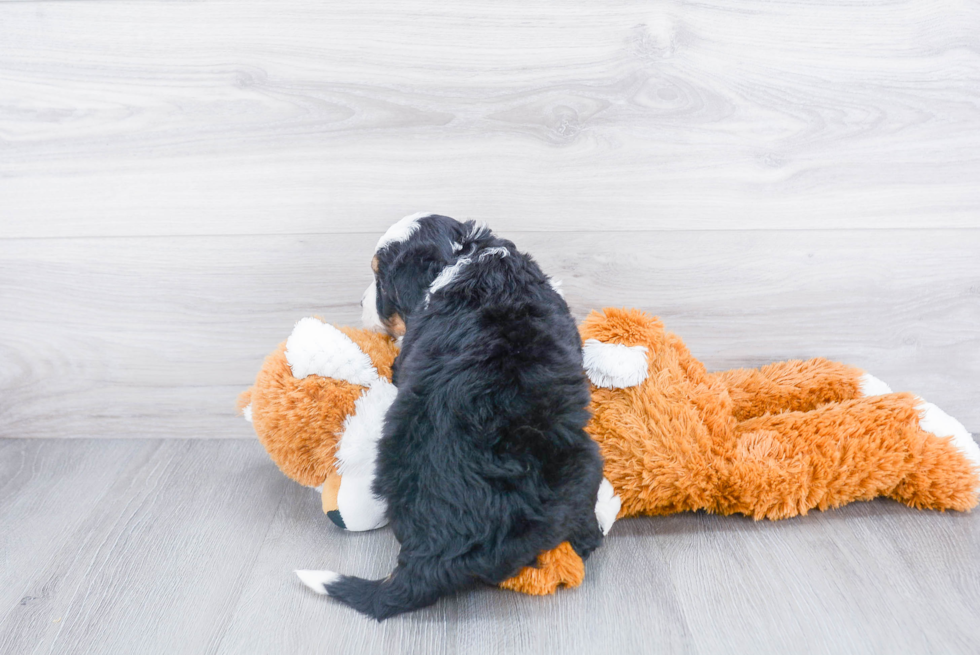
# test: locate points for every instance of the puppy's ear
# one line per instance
(413, 271)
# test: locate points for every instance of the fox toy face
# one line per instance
(318, 405)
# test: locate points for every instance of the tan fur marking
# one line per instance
(396, 325)
(331, 489)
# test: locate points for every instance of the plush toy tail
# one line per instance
(380, 599)
(890, 445)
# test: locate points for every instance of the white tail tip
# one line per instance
(317, 580)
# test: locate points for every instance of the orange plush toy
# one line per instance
(771, 443)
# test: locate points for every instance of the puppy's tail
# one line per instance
(380, 599)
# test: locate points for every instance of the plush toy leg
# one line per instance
(795, 386)
(559, 567)
(788, 463)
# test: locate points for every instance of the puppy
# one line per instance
(483, 462)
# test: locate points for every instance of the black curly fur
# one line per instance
(484, 462)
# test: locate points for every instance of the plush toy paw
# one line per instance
(936, 421)
(872, 386)
(558, 567)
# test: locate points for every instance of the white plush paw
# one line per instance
(247, 412)
(613, 365)
(317, 580)
(607, 506)
(872, 386)
(941, 424)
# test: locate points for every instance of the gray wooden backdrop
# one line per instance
(181, 181)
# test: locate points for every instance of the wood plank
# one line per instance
(155, 565)
(162, 118)
(188, 546)
(155, 337)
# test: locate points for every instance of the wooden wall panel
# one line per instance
(156, 336)
(251, 117)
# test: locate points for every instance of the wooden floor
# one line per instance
(187, 546)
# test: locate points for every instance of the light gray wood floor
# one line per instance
(187, 546)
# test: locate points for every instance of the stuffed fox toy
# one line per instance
(772, 442)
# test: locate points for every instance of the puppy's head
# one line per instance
(407, 259)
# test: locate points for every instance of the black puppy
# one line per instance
(484, 462)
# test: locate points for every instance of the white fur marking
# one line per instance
(613, 365)
(479, 230)
(358, 448)
(357, 455)
(247, 412)
(317, 580)
(369, 308)
(941, 424)
(315, 348)
(493, 252)
(607, 506)
(556, 285)
(402, 230)
(448, 274)
(872, 386)
(360, 509)
(457, 246)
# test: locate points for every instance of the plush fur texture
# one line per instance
(484, 462)
(300, 417)
(771, 443)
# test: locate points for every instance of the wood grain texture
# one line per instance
(250, 117)
(163, 546)
(154, 337)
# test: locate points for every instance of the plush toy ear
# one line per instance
(381, 348)
(317, 348)
(617, 343)
(613, 365)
